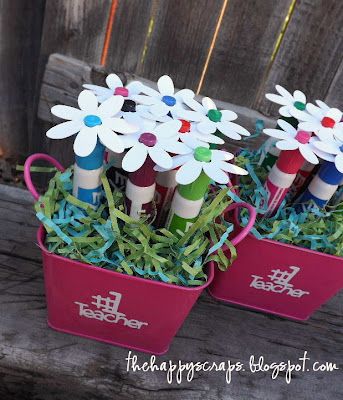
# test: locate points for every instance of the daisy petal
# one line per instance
(209, 138)
(322, 105)
(275, 133)
(232, 169)
(189, 172)
(227, 130)
(85, 141)
(324, 133)
(182, 159)
(193, 142)
(113, 81)
(184, 93)
(111, 106)
(339, 162)
(338, 133)
(134, 87)
(284, 111)
(67, 112)
(213, 171)
(64, 130)
(99, 90)
(119, 125)
(207, 126)
(165, 85)
(315, 111)
(160, 156)
(194, 105)
(275, 98)
(284, 93)
(237, 128)
(147, 100)
(189, 115)
(228, 115)
(168, 130)
(309, 126)
(88, 102)
(130, 140)
(299, 96)
(335, 114)
(159, 109)
(110, 139)
(175, 147)
(208, 104)
(302, 116)
(286, 126)
(308, 154)
(150, 91)
(135, 157)
(288, 144)
(220, 155)
(327, 147)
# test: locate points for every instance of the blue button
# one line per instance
(92, 120)
(169, 100)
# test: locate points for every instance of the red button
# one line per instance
(185, 127)
(328, 122)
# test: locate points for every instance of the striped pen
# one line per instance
(323, 186)
(296, 148)
(165, 180)
(197, 169)
(147, 150)
(87, 185)
(330, 174)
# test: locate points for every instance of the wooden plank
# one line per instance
(39, 363)
(75, 28)
(19, 47)
(63, 81)
(243, 49)
(180, 40)
(334, 97)
(130, 28)
(310, 52)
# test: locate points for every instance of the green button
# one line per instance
(214, 115)
(299, 105)
(202, 154)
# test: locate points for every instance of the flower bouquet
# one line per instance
(126, 266)
(293, 183)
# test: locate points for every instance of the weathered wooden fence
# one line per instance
(234, 50)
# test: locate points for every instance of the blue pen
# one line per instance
(87, 171)
(323, 186)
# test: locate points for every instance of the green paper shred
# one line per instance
(110, 239)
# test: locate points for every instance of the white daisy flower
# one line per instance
(322, 121)
(334, 149)
(165, 101)
(293, 139)
(115, 88)
(91, 122)
(209, 119)
(212, 162)
(156, 143)
(288, 101)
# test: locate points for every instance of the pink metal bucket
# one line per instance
(109, 306)
(279, 278)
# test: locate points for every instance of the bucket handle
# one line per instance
(244, 232)
(27, 167)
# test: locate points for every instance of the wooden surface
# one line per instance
(20, 27)
(62, 83)
(310, 52)
(40, 364)
(245, 44)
